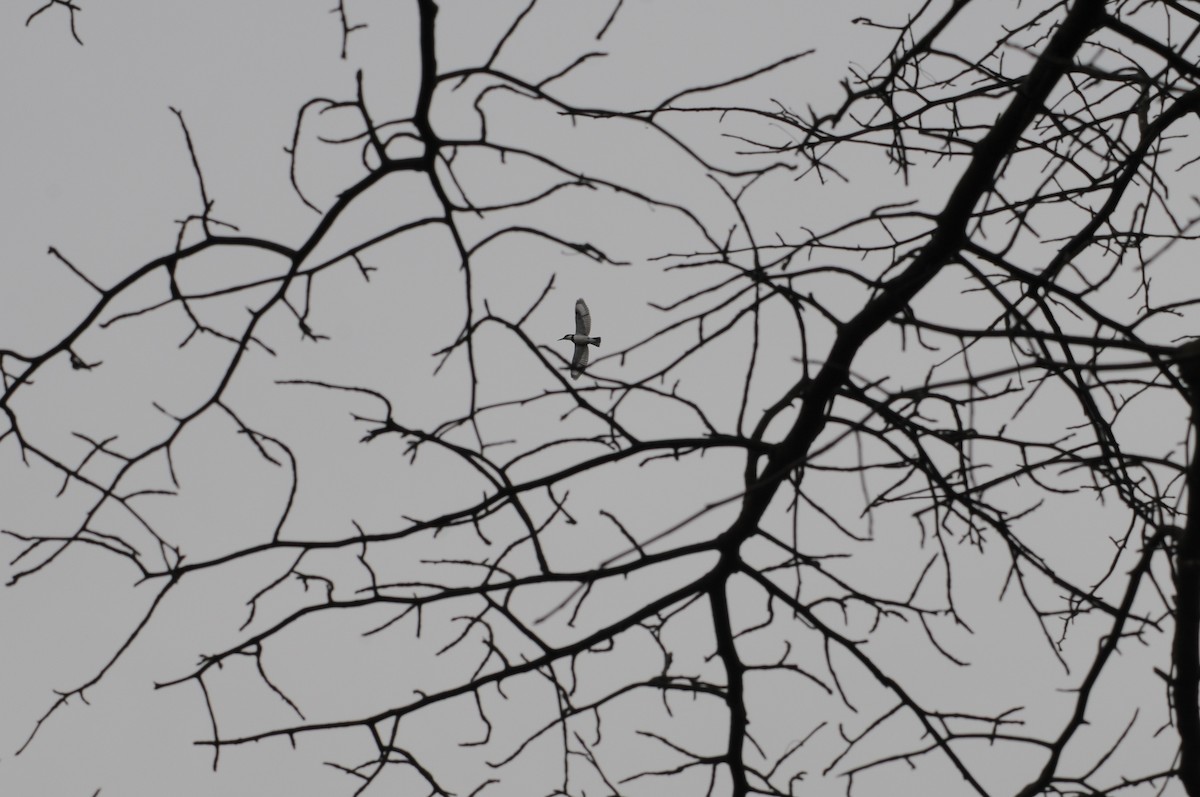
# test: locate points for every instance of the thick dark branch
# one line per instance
(1185, 649)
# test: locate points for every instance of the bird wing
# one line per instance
(580, 360)
(583, 322)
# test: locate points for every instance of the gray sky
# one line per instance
(93, 163)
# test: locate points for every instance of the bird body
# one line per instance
(582, 338)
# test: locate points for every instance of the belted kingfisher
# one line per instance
(581, 339)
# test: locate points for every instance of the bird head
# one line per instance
(566, 337)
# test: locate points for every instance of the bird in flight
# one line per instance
(581, 339)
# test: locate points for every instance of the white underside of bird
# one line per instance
(582, 338)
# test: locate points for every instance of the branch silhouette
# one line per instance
(892, 398)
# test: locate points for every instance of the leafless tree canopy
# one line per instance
(877, 485)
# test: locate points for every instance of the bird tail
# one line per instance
(595, 341)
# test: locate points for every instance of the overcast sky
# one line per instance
(93, 162)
